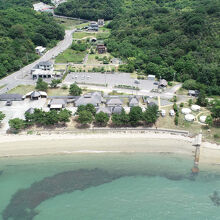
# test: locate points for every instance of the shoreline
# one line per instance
(83, 143)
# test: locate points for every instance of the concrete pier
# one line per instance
(197, 143)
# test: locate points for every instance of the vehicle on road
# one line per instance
(8, 103)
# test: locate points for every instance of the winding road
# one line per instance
(18, 78)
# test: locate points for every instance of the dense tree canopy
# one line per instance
(170, 39)
(21, 30)
(176, 40)
(90, 9)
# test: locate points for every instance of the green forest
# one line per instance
(21, 30)
(172, 39)
(90, 9)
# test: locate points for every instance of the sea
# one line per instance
(108, 186)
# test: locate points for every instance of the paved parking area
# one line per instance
(110, 79)
(18, 109)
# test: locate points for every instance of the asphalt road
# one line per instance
(18, 77)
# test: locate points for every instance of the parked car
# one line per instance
(8, 103)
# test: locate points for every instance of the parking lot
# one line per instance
(18, 109)
(110, 79)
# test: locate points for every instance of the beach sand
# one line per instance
(53, 144)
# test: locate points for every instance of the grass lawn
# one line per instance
(182, 91)
(102, 35)
(193, 127)
(93, 60)
(87, 68)
(80, 35)
(82, 25)
(22, 89)
(70, 55)
(60, 67)
(68, 24)
(57, 92)
(1, 87)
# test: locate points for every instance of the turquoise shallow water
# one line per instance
(107, 186)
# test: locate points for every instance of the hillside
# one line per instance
(21, 30)
(177, 39)
(90, 9)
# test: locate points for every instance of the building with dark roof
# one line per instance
(11, 97)
(114, 102)
(94, 98)
(117, 110)
(133, 101)
(57, 104)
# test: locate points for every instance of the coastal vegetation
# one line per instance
(40, 118)
(2, 116)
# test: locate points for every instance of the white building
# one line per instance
(40, 50)
(189, 117)
(195, 108)
(151, 77)
(172, 112)
(163, 113)
(186, 111)
(42, 7)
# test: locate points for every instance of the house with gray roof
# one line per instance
(45, 65)
(35, 95)
(163, 83)
(94, 98)
(30, 111)
(11, 97)
(57, 104)
(151, 104)
(114, 102)
(116, 110)
(104, 109)
(133, 101)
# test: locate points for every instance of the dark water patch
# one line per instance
(1, 172)
(215, 198)
(23, 203)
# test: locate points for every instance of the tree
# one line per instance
(102, 118)
(90, 108)
(41, 85)
(120, 119)
(215, 109)
(55, 82)
(64, 115)
(80, 108)
(75, 90)
(85, 117)
(51, 117)
(135, 115)
(150, 115)
(190, 102)
(202, 98)
(16, 124)
(2, 116)
(209, 120)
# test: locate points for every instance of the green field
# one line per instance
(57, 92)
(68, 24)
(22, 89)
(70, 55)
(80, 35)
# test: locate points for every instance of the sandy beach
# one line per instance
(53, 144)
